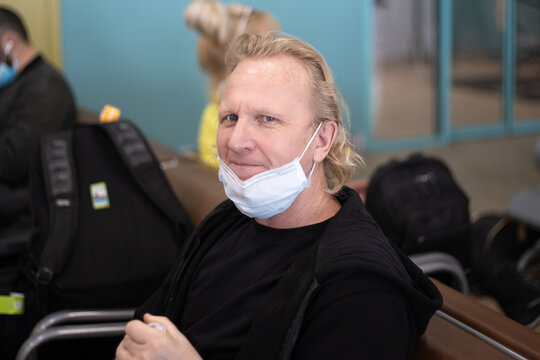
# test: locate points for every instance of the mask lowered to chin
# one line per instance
(7, 73)
(270, 192)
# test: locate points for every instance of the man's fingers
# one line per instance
(138, 332)
(122, 353)
(126, 348)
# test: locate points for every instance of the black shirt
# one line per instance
(369, 300)
(236, 275)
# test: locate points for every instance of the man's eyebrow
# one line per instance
(222, 109)
(266, 111)
(256, 110)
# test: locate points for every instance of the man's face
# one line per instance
(265, 116)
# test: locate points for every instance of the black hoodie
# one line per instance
(395, 299)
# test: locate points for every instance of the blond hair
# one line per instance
(218, 25)
(328, 104)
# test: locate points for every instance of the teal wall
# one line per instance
(139, 56)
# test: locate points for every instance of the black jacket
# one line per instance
(37, 102)
(345, 245)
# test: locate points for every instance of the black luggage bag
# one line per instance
(506, 265)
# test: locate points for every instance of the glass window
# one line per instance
(476, 62)
(527, 82)
(405, 53)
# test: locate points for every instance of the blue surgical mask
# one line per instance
(270, 192)
(7, 73)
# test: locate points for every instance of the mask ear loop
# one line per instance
(310, 140)
(7, 49)
(305, 149)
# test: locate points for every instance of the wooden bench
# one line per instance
(466, 329)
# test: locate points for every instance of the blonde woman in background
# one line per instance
(218, 25)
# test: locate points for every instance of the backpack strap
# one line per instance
(61, 191)
(140, 159)
(274, 329)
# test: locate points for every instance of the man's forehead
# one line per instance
(276, 86)
(281, 67)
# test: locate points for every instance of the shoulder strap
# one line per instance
(61, 190)
(145, 169)
(276, 325)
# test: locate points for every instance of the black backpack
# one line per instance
(110, 224)
(419, 206)
(506, 265)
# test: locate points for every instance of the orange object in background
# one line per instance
(109, 113)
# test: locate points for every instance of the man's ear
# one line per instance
(325, 139)
(7, 36)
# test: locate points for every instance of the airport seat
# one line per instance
(466, 329)
(75, 324)
(433, 263)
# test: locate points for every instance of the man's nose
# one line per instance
(242, 136)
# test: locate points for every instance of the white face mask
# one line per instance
(269, 192)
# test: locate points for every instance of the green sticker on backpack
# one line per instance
(99, 195)
(12, 304)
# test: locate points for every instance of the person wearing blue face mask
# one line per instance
(291, 266)
(34, 100)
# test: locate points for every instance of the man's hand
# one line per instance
(145, 342)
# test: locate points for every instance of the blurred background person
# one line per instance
(218, 24)
(34, 100)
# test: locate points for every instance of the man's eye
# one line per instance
(268, 118)
(231, 117)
